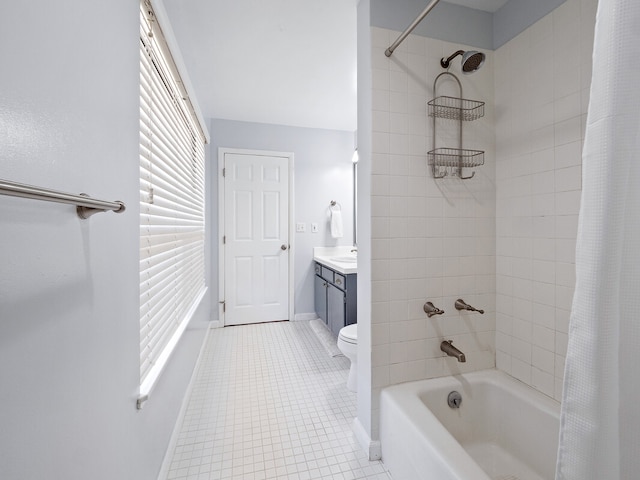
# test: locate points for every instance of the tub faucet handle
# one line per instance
(462, 305)
(430, 309)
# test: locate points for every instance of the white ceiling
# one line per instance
(287, 62)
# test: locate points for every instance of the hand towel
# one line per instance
(336, 223)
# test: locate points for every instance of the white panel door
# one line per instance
(256, 230)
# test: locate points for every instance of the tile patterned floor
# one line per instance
(269, 403)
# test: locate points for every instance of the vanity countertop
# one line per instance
(340, 259)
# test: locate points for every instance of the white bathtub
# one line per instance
(504, 430)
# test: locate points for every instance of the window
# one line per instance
(171, 203)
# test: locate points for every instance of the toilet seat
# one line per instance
(349, 334)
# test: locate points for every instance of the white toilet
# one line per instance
(348, 345)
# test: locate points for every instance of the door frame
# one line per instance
(222, 151)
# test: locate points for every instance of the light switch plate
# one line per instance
(301, 227)
(314, 228)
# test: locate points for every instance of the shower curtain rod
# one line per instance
(410, 28)
(86, 206)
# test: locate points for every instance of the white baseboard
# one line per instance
(304, 316)
(173, 441)
(371, 447)
(297, 317)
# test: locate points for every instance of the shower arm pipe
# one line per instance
(85, 205)
(410, 28)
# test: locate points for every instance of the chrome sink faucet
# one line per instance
(447, 347)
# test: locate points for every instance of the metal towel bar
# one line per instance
(86, 206)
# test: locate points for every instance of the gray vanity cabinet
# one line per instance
(335, 297)
(320, 297)
(336, 301)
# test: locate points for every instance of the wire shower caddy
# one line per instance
(446, 160)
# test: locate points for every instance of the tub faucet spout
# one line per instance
(447, 347)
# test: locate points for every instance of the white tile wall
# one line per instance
(542, 82)
(432, 240)
(503, 241)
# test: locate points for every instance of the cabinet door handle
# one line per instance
(338, 281)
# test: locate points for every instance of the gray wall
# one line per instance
(446, 21)
(517, 15)
(69, 306)
(365, 173)
(322, 172)
(457, 24)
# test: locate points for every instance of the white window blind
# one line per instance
(171, 204)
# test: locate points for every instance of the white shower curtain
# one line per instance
(600, 421)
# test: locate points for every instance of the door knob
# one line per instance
(283, 247)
